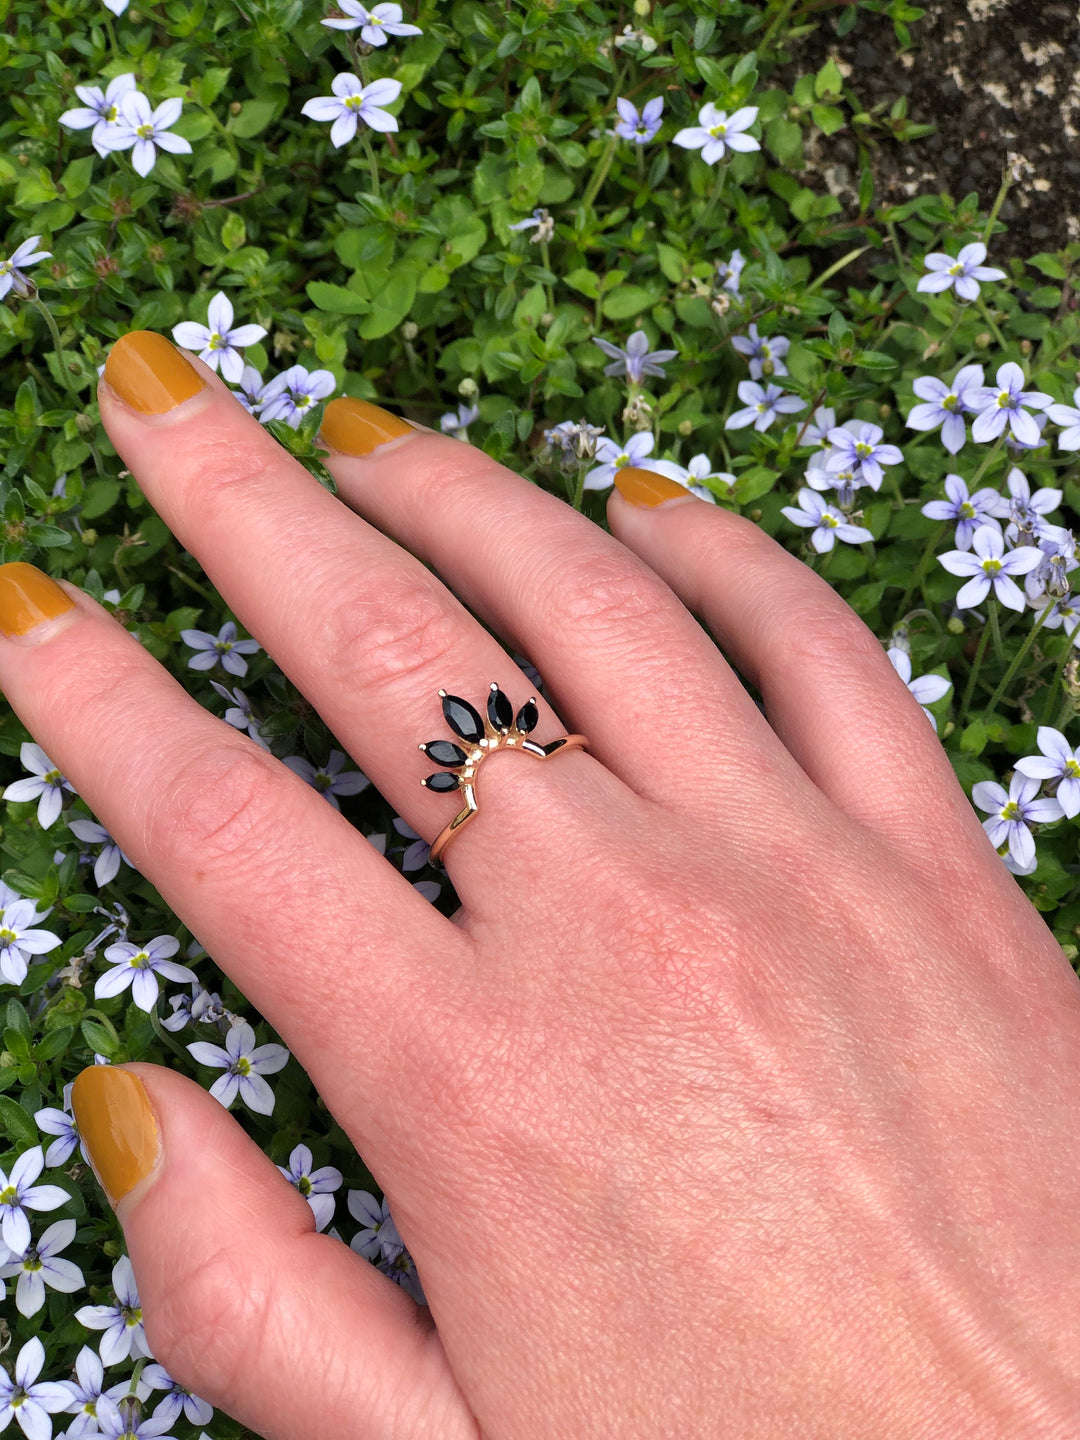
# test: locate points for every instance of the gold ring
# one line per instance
(501, 729)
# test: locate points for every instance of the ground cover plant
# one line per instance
(575, 235)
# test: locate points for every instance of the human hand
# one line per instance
(739, 1097)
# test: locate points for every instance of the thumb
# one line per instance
(243, 1302)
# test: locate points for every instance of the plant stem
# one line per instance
(600, 173)
(975, 667)
(545, 259)
(369, 151)
(837, 265)
(717, 191)
(1018, 657)
(65, 374)
(1051, 689)
(778, 20)
(999, 200)
(579, 489)
(985, 313)
(924, 564)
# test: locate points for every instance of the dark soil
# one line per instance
(994, 76)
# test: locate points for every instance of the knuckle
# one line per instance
(611, 595)
(830, 635)
(218, 805)
(224, 465)
(199, 1333)
(402, 629)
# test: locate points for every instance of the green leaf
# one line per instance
(784, 139)
(17, 1125)
(335, 299)
(586, 282)
(100, 497)
(627, 300)
(828, 80)
(392, 305)
(974, 738)
(76, 176)
(827, 118)
(711, 73)
(234, 231)
(254, 117)
(16, 1018)
(101, 1038)
(1049, 265)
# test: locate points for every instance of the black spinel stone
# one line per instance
(528, 717)
(462, 718)
(500, 711)
(441, 781)
(445, 752)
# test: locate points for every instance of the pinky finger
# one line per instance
(245, 1305)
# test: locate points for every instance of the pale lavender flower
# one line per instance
(729, 271)
(18, 940)
(763, 405)
(858, 443)
(18, 1194)
(988, 565)
(101, 109)
(1069, 416)
(176, 1400)
(402, 1270)
(143, 131)
(816, 430)
(946, 405)
(964, 272)
(223, 646)
(1022, 447)
(846, 483)
(379, 1236)
(28, 1400)
(46, 784)
(87, 1389)
(39, 1266)
(139, 967)
(827, 524)
(290, 395)
(377, 22)
(415, 856)
(1058, 761)
(969, 511)
(123, 1420)
(11, 269)
(717, 133)
(1012, 814)
(1066, 612)
(201, 1006)
(329, 779)
(1048, 581)
(764, 352)
(316, 1186)
(107, 864)
(352, 102)
(539, 220)
(458, 424)
(244, 1063)
(640, 128)
(60, 1123)
(250, 392)
(635, 452)
(926, 689)
(117, 6)
(1004, 405)
(240, 714)
(637, 360)
(694, 475)
(219, 343)
(1025, 512)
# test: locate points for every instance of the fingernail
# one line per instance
(355, 427)
(150, 374)
(28, 598)
(646, 487)
(117, 1126)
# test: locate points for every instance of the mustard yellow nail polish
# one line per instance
(355, 427)
(28, 597)
(646, 487)
(117, 1126)
(150, 374)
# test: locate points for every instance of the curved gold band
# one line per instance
(468, 787)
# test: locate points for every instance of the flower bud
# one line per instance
(954, 625)
(410, 330)
(686, 428)
(89, 537)
(755, 515)
(235, 107)
(468, 389)
(1025, 347)
(982, 340)
(641, 7)
(884, 411)
(84, 423)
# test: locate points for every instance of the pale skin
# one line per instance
(740, 1098)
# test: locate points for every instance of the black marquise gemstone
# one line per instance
(528, 717)
(445, 752)
(462, 718)
(500, 711)
(441, 781)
